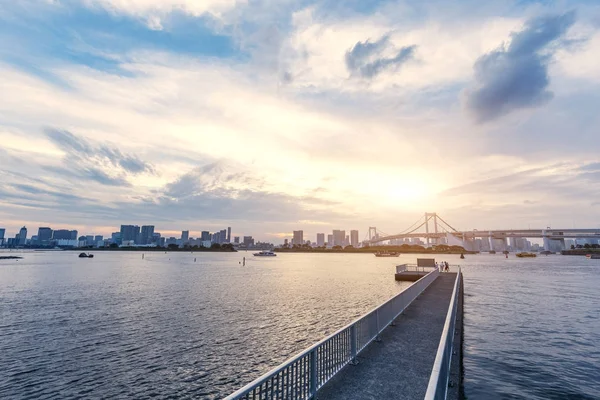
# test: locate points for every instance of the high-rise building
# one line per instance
(64, 234)
(185, 237)
(248, 241)
(44, 236)
(347, 240)
(354, 238)
(285, 242)
(320, 239)
(329, 240)
(89, 240)
(223, 236)
(229, 234)
(298, 238)
(147, 234)
(339, 237)
(130, 233)
(22, 236)
(236, 240)
(205, 236)
(2, 233)
(98, 238)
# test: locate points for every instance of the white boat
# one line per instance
(265, 254)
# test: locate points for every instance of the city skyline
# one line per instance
(311, 117)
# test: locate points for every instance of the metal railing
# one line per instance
(440, 374)
(303, 375)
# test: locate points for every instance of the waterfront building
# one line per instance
(320, 239)
(229, 235)
(147, 234)
(329, 241)
(205, 236)
(298, 238)
(236, 240)
(22, 236)
(354, 238)
(248, 241)
(129, 233)
(185, 237)
(44, 236)
(339, 237)
(2, 233)
(285, 242)
(64, 234)
(223, 236)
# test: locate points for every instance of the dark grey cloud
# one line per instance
(366, 59)
(91, 162)
(79, 149)
(516, 76)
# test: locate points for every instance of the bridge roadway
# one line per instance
(399, 366)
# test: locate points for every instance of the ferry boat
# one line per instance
(265, 254)
(524, 255)
(387, 254)
(593, 256)
(84, 255)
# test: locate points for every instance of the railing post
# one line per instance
(313, 373)
(377, 338)
(353, 340)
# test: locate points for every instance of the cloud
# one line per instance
(366, 58)
(516, 76)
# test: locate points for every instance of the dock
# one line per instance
(399, 366)
(409, 347)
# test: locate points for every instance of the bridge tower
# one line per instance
(429, 216)
(372, 233)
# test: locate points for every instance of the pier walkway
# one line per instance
(398, 366)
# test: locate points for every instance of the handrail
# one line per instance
(301, 376)
(437, 388)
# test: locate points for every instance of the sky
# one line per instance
(272, 116)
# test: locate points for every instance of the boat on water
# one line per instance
(265, 254)
(492, 251)
(593, 256)
(86, 255)
(546, 252)
(462, 256)
(387, 254)
(525, 255)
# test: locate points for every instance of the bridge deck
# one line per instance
(399, 366)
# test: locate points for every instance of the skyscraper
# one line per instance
(223, 236)
(44, 236)
(339, 237)
(329, 240)
(236, 240)
(229, 234)
(147, 234)
(298, 238)
(354, 238)
(64, 234)
(2, 232)
(185, 237)
(205, 236)
(320, 239)
(22, 236)
(130, 233)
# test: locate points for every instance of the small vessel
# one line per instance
(546, 252)
(84, 255)
(387, 254)
(492, 251)
(462, 256)
(593, 256)
(524, 255)
(265, 254)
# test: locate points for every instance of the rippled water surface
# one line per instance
(167, 327)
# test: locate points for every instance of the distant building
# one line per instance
(89, 239)
(330, 241)
(185, 237)
(64, 234)
(147, 234)
(236, 240)
(2, 233)
(229, 235)
(205, 236)
(320, 239)
(22, 236)
(44, 236)
(354, 238)
(298, 238)
(115, 237)
(129, 233)
(223, 236)
(339, 237)
(285, 242)
(347, 240)
(248, 241)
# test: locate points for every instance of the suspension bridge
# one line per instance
(434, 230)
